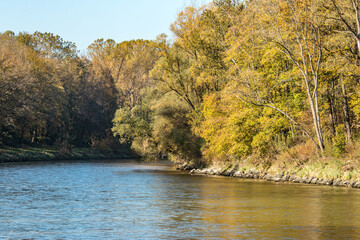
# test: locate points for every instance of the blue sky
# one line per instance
(83, 21)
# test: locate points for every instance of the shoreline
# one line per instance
(256, 174)
(18, 155)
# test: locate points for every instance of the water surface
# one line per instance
(117, 200)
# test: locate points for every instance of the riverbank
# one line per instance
(321, 173)
(10, 154)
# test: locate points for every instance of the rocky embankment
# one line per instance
(254, 174)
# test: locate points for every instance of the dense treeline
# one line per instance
(260, 79)
(264, 79)
(51, 96)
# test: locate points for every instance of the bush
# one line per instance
(339, 142)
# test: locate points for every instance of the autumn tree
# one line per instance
(293, 28)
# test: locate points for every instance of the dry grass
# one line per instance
(299, 154)
(304, 160)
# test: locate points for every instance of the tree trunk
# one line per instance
(316, 117)
(332, 115)
(21, 136)
(347, 121)
(313, 101)
(33, 136)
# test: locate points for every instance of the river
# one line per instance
(118, 200)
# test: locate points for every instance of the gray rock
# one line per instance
(352, 183)
(269, 177)
(356, 185)
(182, 167)
(286, 178)
(217, 171)
(280, 175)
(189, 167)
(329, 182)
(302, 180)
(249, 175)
(322, 182)
(276, 179)
(338, 183)
(238, 174)
(296, 180)
(225, 173)
(309, 179)
(256, 176)
(341, 184)
(314, 180)
(293, 177)
(232, 172)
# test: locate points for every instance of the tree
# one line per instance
(294, 27)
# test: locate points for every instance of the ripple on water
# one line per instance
(131, 201)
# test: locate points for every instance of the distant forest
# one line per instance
(240, 79)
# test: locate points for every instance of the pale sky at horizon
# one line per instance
(83, 21)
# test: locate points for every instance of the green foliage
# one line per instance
(9, 154)
(231, 86)
(132, 125)
(159, 131)
(49, 95)
(234, 130)
(260, 80)
(339, 141)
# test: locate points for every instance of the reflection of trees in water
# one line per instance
(177, 202)
(232, 208)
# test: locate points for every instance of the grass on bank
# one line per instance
(11, 154)
(304, 160)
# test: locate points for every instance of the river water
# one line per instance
(117, 200)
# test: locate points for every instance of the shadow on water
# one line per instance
(127, 200)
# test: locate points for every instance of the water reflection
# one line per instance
(130, 201)
(266, 210)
